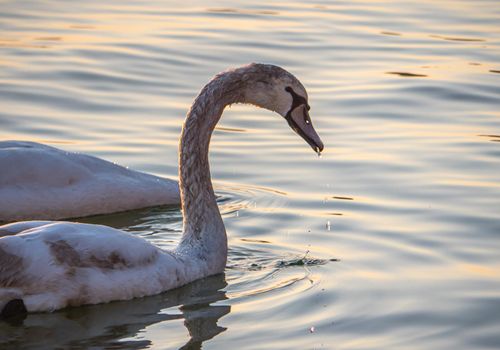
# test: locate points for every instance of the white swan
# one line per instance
(45, 183)
(46, 265)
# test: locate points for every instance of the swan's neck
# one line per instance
(204, 233)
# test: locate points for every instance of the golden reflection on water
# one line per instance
(405, 196)
(480, 270)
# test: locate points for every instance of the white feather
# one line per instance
(43, 182)
(51, 265)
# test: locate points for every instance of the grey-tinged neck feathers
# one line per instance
(203, 226)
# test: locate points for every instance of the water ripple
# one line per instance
(405, 195)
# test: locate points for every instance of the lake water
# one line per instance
(390, 240)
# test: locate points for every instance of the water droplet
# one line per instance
(312, 329)
(328, 225)
(318, 152)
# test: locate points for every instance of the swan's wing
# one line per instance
(22, 226)
(57, 264)
(43, 182)
(76, 245)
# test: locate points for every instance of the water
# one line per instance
(390, 240)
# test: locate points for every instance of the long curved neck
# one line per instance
(203, 226)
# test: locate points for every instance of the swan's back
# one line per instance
(50, 265)
(43, 182)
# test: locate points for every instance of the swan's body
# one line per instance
(51, 265)
(46, 183)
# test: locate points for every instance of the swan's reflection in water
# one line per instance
(121, 325)
(111, 326)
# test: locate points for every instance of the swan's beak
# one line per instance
(299, 121)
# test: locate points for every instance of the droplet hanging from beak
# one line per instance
(318, 151)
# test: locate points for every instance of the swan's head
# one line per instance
(274, 88)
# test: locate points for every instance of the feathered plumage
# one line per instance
(51, 265)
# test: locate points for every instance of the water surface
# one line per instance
(390, 240)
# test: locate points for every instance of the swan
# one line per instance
(49, 265)
(45, 183)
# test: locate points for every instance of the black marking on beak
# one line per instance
(297, 102)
